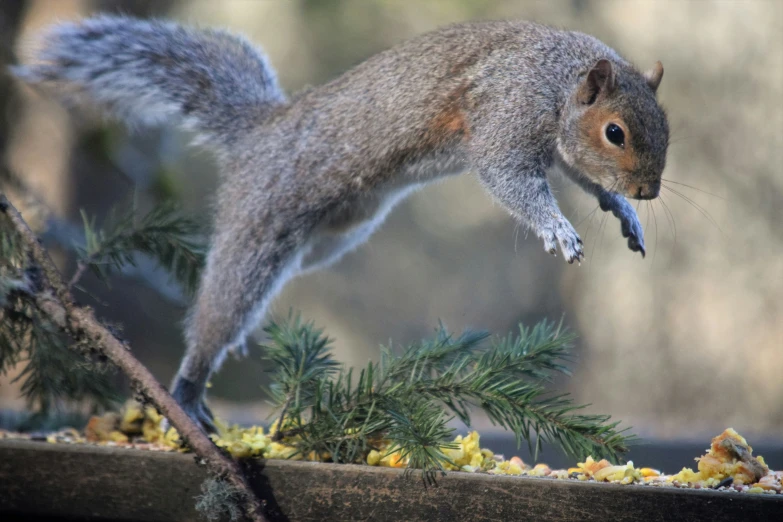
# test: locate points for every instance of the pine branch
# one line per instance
(498, 381)
(55, 375)
(403, 399)
(145, 269)
(164, 234)
(52, 376)
(419, 432)
(300, 354)
(55, 301)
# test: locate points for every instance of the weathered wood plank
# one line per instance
(88, 482)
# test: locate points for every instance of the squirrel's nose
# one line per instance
(649, 191)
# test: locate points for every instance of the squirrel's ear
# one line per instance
(600, 82)
(654, 75)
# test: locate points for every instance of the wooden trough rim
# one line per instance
(88, 482)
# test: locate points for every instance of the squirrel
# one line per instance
(305, 180)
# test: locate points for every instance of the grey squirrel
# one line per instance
(307, 179)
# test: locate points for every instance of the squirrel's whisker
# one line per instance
(672, 225)
(698, 207)
(673, 228)
(655, 248)
(664, 180)
(588, 216)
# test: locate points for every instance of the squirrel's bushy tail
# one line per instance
(149, 71)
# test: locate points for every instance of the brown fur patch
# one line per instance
(592, 126)
(449, 124)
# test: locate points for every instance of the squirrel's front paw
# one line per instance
(632, 229)
(629, 222)
(570, 242)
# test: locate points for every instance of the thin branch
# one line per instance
(81, 267)
(57, 303)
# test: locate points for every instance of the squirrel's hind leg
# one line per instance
(244, 270)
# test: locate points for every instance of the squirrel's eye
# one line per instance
(615, 135)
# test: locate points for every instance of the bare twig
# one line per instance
(55, 300)
(81, 267)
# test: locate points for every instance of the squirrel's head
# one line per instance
(614, 132)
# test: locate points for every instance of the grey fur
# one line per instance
(307, 180)
(146, 72)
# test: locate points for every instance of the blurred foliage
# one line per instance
(57, 373)
(53, 376)
(166, 235)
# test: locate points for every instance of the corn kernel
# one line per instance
(373, 458)
(118, 436)
(610, 473)
(514, 469)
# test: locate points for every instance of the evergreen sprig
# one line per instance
(173, 239)
(408, 398)
(54, 375)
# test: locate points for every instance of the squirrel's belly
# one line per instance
(370, 207)
(354, 223)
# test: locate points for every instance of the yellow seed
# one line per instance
(514, 469)
(476, 460)
(118, 436)
(609, 472)
(397, 461)
(373, 458)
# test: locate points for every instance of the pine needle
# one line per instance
(164, 234)
(407, 399)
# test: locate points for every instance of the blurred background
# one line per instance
(679, 345)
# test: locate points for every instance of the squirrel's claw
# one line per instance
(563, 233)
(191, 399)
(630, 227)
(636, 244)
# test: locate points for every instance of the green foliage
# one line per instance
(165, 234)
(53, 376)
(220, 498)
(55, 373)
(301, 358)
(409, 398)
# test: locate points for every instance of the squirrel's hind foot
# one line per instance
(191, 399)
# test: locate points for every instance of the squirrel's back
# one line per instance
(220, 85)
(417, 97)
